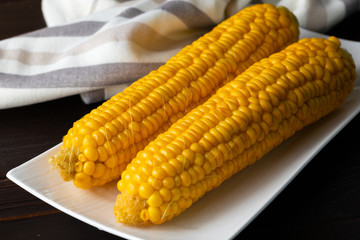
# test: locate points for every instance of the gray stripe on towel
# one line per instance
(188, 14)
(79, 29)
(90, 76)
(316, 16)
(138, 33)
(131, 13)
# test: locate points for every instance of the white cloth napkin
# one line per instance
(96, 48)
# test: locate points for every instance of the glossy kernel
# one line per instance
(155, 199)
(145, 190)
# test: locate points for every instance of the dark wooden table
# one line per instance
(322, 202)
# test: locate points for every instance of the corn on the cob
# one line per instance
(249, 116)
(99, 146)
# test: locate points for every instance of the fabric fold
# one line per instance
(96, 48)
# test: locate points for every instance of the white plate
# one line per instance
(223, 212)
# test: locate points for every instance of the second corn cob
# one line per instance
(99, 146)
(245, 119)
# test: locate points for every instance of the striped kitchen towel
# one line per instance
(96, 48)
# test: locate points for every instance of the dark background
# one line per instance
(322, 202)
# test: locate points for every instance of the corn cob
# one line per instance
(99, 146)
(245, 119)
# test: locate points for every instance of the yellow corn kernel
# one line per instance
(145, 190)
(155, 183)
(89, 168)
(155, 200)
(82, 179)
(168, 168)
(169, 182)
(128, 121)
(144, 215)
(159, 173)
(154, 214)
(227, 146)
(91, 153)
(165, 194)
(78, 167)
(102, 154)
(99, 170)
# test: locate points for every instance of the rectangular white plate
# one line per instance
(222, 213)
